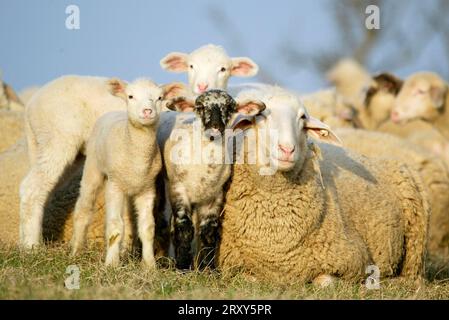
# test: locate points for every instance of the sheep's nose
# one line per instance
(287, 150)
(147, 112)
(395, 116)
(202, 87)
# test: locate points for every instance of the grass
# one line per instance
(41, 275)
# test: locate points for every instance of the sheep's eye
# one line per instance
(191, 66)
(130, 96)
(223, 69)
(160, 98)
(304, 117)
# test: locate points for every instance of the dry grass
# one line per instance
(41, 275)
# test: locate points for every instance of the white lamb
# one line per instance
(208, 67)
(123, 150)
(58, 122)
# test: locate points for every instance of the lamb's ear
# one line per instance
(244, 67)
(438, 95)
(117, 87)
(181, 104)
(175, 62)
(174, 90)
(388, 82)
(320, 131)
(250, 107)
(11, 94)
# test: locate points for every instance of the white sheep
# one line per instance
(58, 122)
(123, 150)
(208, 67)
(195, 178)
(320, 214)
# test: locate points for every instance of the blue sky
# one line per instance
(128, 38)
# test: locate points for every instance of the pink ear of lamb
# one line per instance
(320, 131)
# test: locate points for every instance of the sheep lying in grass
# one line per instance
(11, 128)
(313, 221)
(196, 177)
(432, 170)
(123, 150)
(58, 122)
(208, 67)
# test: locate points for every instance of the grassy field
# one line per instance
(41, 275)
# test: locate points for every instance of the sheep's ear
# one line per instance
(438, 95)
(11, 94)
(244, 67)
(174, 90)
(250, 107)
(175, 62)
(320, 131)
(388, 82)
(181, 104)
(117, 87)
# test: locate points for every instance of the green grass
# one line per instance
(41, 274)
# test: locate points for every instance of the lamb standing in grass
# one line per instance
(58, 122)
(195, 188)
(208, 67)
(123, 150)
(311, 221)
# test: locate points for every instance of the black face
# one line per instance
(215, 108)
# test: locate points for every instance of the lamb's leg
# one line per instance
(209, 232)
(128, 237)
(183, 227)
(114, 198)
(90, 184)
(37, 185)
(146, 225)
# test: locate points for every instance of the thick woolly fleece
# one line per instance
(432, 171)
(291, 227)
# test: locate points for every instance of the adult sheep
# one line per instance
(312, 221)
(433, 171)
(58, 122)
(208, 67)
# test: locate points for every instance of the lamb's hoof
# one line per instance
(324, 281)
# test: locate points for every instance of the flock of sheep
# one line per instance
(360, 172)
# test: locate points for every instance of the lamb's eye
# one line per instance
(130, 96)
(160, 98)
(191, 66)
(304, 117)
(223, 69)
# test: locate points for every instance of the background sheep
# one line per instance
(195, 188)
(288, 225)
(116, 138)
(208, 67)
(9, 99)
(58, 122)
(11, 128)
(424, 96)
(432, 170)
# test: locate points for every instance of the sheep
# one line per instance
(423, 96)
(59, 209)
(314, 219)
(350, 79)
(432, 170)
(208, 67)
(11, 128)
(329, 107)
(195, 178)
(58, 122)
(26, 94)
(9, 99)
(123, 150)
